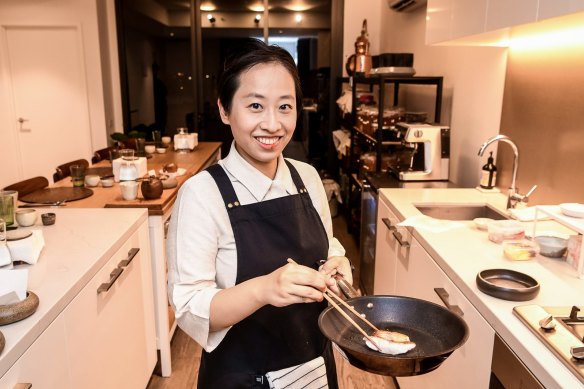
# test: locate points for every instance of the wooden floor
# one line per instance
(186, 353)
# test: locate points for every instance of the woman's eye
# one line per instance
(255, 106)
(285, 107)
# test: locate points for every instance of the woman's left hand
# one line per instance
(334, 266)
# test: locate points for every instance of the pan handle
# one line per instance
(346, 288)
(444, 296)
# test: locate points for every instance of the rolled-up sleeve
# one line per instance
(192, 247)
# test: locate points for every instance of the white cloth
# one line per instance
(345, 101)
(309, 375)
(202, 257)
(28, 249)
(342, 141)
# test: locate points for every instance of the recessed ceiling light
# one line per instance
(207, 6)
(298, 18)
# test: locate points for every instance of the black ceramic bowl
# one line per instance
(507, 284)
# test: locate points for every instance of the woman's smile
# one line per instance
(263, 115)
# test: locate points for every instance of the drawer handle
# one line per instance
(131, 254)
(398, 236)
(106, 286)
(22, 386)
(444, 296)
(387, 222)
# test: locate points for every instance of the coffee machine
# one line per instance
(429, 145)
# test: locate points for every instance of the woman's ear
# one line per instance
(224, 117)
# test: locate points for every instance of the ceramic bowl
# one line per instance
(150, 149)
(161, 150)
(166, 140)
(48, 218)
(107, 182)
(552, 246)
(92, 180)
(26, 217)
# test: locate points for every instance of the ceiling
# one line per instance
(251, 5)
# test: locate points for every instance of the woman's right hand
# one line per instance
(293, 283)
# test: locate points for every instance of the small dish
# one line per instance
(481, 223)
(552, 246)
(150, 149)
(161, 150)
(572, 209)
(501, 230)
(166, 140)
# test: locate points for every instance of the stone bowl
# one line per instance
(11, 313)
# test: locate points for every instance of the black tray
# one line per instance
(507, 284)
(51, 195)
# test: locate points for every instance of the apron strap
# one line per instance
(224, 184)
(296, 177)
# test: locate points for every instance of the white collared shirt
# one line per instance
(202, 257)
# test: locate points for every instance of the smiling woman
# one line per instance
(235, 226)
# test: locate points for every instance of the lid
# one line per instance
(490, 159)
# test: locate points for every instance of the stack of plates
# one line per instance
(572, 209)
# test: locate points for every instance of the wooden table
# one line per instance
(205, 154)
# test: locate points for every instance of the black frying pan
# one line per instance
(436, 331)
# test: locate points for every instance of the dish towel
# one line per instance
(309, 375)
(28, 249)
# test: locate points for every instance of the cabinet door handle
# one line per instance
(131, 254)
(444, 296)
(398, 236)
(22, 386)
(106, 286)
(387, 222)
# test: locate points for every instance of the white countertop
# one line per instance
(463, 252)
(76, 247)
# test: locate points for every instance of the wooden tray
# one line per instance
(51, 195)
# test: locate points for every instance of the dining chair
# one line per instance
(28, 186)
(64, 170)
(101, 154)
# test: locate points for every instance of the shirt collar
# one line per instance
(254, 181)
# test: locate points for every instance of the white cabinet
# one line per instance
(391, 246)
(505, 13)
(110, 324)
(45, 363)
(552, 8)
(105, 337)
(453, 19)
(417, 275)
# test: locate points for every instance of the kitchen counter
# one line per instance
(463, 252)
(77, 246)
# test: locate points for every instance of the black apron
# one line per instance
(266, 235)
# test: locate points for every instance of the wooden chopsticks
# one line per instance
(327, 295)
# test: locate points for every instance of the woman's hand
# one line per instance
(293, 283)
(334, 266)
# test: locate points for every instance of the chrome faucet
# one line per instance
(513, 197)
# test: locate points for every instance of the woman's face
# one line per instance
(263, 115)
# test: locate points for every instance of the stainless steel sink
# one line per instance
(460, 211)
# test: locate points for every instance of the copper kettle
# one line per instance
(151, 188)
(362, 56)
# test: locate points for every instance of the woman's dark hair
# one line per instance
(248, 53)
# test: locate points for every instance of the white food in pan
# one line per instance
(390, 342)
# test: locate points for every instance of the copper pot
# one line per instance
(151, 188)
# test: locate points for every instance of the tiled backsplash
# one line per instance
(543, 112)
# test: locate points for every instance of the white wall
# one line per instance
(355, 12)
(474, 79)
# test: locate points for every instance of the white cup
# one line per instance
(92, 180)
(150, 149)
(129, 190)
(26, 217)
(166, 140)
